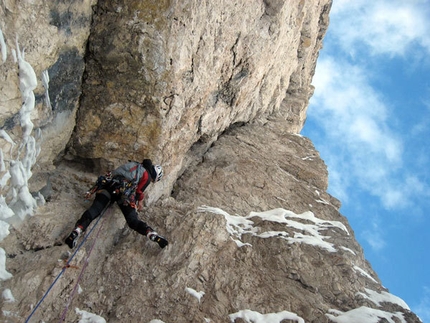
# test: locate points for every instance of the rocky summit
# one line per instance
(217, 93)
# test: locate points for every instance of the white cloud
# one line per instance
(374, 235)
(423, 308)
(369, 118)
(358, 142)
(361, 150)
(423, 124)
(338, 182)
(384, 27)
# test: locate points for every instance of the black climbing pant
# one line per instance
(102, 199)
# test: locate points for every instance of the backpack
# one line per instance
(131, 171)
(125, 180)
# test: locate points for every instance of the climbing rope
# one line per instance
(84, 266)
(67, 265)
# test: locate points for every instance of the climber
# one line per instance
(124, 185)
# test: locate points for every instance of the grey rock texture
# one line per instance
(217, 93)
(165, 80)
(52, 36)
(252, 168)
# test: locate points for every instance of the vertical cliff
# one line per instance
(43, 45)
(165, 80)
(217, 93)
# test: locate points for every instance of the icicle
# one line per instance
(4, 274)
(45, 82)
(22, 203)
(3, 47)
(2, 165)
(6, 137)
(5, 179)
(27, 76)
(5, 211)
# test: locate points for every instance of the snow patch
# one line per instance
(304, 232)
(14, 315)
(7, 296)
(383, 297)
(195, 293)
(254, 317)
(363, 273)
(4, 274)
(364, 314)
(349, 250)
(87, 317)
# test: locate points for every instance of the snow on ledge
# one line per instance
(383, 297)
(254, 317)
(363, 273)
(364, 314)
(194, 293)
(304, 233)
(87, 317)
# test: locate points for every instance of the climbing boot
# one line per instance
(72, 239)
(154, 236)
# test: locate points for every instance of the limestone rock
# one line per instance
(217, 93)
(43, 46)
(164, 79)
(301, 260)
(52, 36)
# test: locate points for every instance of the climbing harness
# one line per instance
(67, 265)
(118, 185)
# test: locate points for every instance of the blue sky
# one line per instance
(370, 120)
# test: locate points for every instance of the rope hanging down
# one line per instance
(84, 266)
(67, 265)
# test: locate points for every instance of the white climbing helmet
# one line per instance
(159, 172)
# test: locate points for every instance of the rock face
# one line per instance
(165, 79)
(217, 93)
(43, 47)
(250, 226)
(52, 35)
